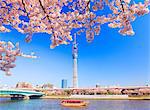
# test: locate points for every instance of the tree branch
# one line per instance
(122, 5)
(25, 8)
(44, 10)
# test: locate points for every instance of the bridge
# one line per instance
(21, 94)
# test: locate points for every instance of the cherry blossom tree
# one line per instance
(8, 54)
(59, 17)
(144, 91)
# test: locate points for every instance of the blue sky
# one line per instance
(111, 59)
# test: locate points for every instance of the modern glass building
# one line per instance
(64, 83)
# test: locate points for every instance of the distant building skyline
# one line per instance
(24, 85)
(64, 83)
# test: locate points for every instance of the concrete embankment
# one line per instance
(93, 97)
(99, 97)
(4, 96)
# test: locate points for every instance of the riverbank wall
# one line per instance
(99, 97)
(92, 97)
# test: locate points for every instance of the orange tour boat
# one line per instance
(74, 103)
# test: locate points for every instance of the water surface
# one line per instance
(48, 104)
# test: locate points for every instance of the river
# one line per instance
(48, 104)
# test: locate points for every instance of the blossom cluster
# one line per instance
(8, 54)
(59, 17)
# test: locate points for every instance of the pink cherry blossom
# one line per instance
(8, 54)
(47, 16)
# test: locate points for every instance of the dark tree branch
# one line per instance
(44, 10)
(122, 5)
(47, 16)
(25, 8)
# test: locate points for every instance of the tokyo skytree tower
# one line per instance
(75, 66)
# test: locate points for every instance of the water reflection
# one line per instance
(47, 104)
